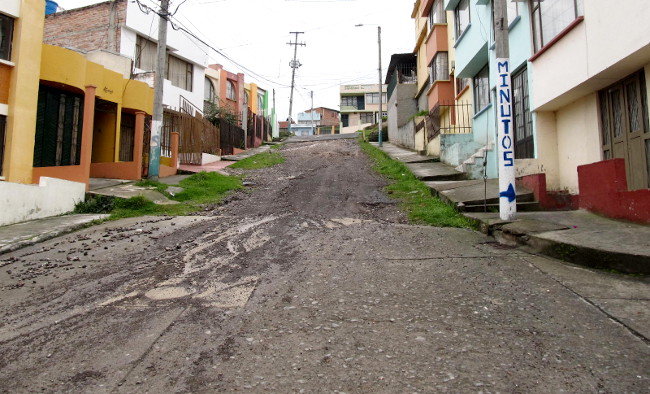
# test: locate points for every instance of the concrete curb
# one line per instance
(49, 234)
(538, 242)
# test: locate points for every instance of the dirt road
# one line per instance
(309, 281)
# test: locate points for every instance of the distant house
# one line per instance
(360, 106)
(328, 116)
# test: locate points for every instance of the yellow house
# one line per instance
(90, 120)
(21, 21)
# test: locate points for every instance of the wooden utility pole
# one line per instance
(505, 126)
(381, 95)
(157, 119)
(294, 64)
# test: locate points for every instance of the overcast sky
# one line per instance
(255, 34)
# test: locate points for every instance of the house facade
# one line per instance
(67, 119)
(360, 106)
(600, 104)
(124, 28)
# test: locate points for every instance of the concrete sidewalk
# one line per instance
(579, 237)
(247, 153)
(20, 235)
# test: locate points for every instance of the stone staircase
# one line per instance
(475, 163)
(452, 184)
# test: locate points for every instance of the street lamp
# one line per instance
(380, 83)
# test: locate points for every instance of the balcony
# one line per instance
(402, 74)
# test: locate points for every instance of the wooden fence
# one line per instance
(198, 136)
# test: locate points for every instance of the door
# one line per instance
(624, 127)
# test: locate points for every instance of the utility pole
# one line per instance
(505, 129)
(157, 119)
(294, 65)
(274, 127)
(381, 120)
(311, 113)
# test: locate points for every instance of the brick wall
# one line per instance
(328, 117)
(86, 28)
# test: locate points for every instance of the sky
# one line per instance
(255, 34)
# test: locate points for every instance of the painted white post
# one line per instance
(505, 142)
(505, 129)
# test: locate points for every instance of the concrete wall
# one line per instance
(28, 202)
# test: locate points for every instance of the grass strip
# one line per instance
(199, 189)
(414, 196)
(260, 160)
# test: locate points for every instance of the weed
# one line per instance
(414, 195)
(260, 160)
(95, 204)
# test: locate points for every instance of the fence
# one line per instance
(230, 137)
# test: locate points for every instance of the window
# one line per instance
(437, 14)
(512, 12)
(3, 125)
(439, 68)
(145, 54)
(522, 119)
(260, 103)
(231, 93)
(209, 93)
(373, 98)
(127, 136)
(179, 72)
(550, 17)
(6, 36)
(461, 83)
(356, 102)
(461, 17)
(59, 120)
(246, 98)
(481, 89)
(367, 117)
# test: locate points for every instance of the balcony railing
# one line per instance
(403, 74)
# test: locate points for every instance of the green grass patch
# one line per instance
(198, 190)
(260, 160)
(414, 196)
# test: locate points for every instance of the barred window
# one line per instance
(6, 36)
(59, 120)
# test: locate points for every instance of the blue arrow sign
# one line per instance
(509, 194)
